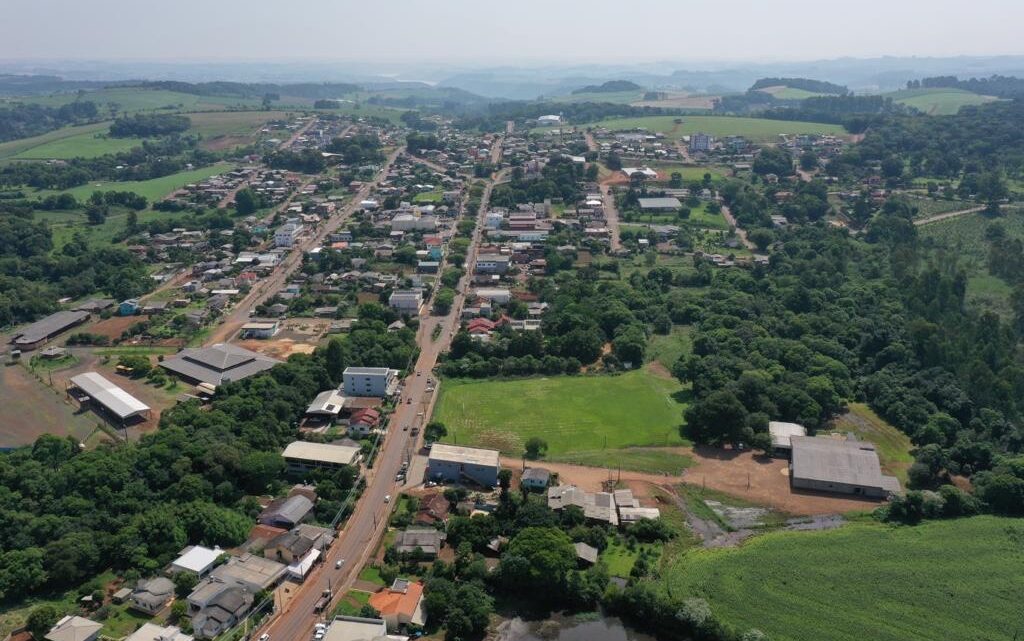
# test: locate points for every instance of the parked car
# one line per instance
(387, 498)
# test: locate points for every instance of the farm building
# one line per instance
(782, 433)
(834, 465)
(44, 329)
(303, 456)
(91, 387)
(369, 381)
(455, 463)
(667, 203)
(221, 363)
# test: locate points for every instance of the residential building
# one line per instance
(401, 604)
(286, 512)
(664, 204)
(344, 628)
(154, 632)
(535, 478)
(260, 329)
(216, 606)
(196, 558)
(497, 295)
(129, 307)
(287, 234)
(74, 628)
(152, 595)
(492, 264)
(296, 543)
(301, 457)
(221, 363)
(406, 301)
(459, 464)
(433, 509)
(326, 405)
(701, 142)
(369, 381)
(835, 465)
(426, 539)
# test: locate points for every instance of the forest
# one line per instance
(19, 120)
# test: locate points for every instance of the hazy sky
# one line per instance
(514, 31)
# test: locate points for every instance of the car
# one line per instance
(339, 563)
(387, 498)
(264, 637)
(408, 401)
(405, 465)
(399, 477)
(318, 635)
(419, 373)
(405, 428)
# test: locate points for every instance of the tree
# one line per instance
(773, 160)
(184, 583)
(535, 447)
(179, 610)
(334, 359)
(761, 237)
(443, 300)
(247, 201)
(808, 161)
(716, 419)
(41, 619)
(547, 555)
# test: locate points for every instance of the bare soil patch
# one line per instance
(113, 327)
(28, 409)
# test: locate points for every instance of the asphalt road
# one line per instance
(369, 521)
(272, 284)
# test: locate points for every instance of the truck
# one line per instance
(323, 602)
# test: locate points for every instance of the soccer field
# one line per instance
(571, 413)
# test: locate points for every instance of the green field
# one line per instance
(666, 349)
(134, 99)
(637, 459)
(756, 129)
(938, 102)
(153, 189)
(893, 446)
(941, 580)
(29, 147)
(791, 93)
(615, 97)
(571, 413)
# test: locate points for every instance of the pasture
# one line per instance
(46, 145)
(756, 129)
(571, 413)
(939, 101)
(940, 580)
(653, 460)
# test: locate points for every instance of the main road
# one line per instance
(369, 520)
(269, 286)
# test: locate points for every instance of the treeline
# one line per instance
(254, 90)
(807, 84)
(855, 113)
(611, 86)
(145, 125)
(18, 120)
(307, 161)
(995, 85)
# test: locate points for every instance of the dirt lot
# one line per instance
(757, 479)
(297, 336)
(113, 326)
(28, 408)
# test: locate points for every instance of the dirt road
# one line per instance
(611, 216)
(740, 232)
(946, 216)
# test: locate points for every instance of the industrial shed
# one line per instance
(31, 336)
(843, 466)
(93, 387)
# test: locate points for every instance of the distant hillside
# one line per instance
(999, 86)
(805, 84)
(612, 86)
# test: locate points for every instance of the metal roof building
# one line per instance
(302, 456)
(218, 364)
(48, 327)
(834, 465)
(667, 203)
(111, 397)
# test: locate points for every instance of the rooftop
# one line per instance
(365, 371)
(355, 629)
(197, 558)
(321, 452)
(110, 396)
(218, 364)
(660, 203)
(48, 326)
(459, 454)
(782, 432)
(838, 461)
(73, 628)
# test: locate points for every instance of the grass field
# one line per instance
(942, 580)
(893, 446)
(154, 189)
(757, 129)
(620, 558)
(615, 97)
(938, 102)
(790, 93)
(666, 349)
(636, 459)
(571, 413)
(27, 147)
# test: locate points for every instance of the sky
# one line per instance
(481, 32)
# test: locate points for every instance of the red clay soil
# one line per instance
(113, 327)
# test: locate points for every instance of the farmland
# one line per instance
(63, 141)
(790, 93)
(572, 413)
(756, 129)
(938, 102)
(940, 580)
(136, 99)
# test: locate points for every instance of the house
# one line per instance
(427, 267)
(154, 632)
(406, 301)
(363, 421)
(369, 381)
(664, 204)
(535, 478)
(301, 457)
(287, 512)
(433, 509)
(701, 142)
(296, 544)
(129, 307)
(549, 120)
(401, 604)
(344, 628)
(327, 405)
(497, 295)
(260, 329)
(492, 264)
(74, 628)
(426, 539)
(218, 364)
(152, 595)
(121, 595)
(843, 466)
(31, 336)
(252, 572)
(586, 555)
(196, 558)
(216, 607)
(456, 463)
(782, 433)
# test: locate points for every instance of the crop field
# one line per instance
(757, 129)
(237, 127)
(571, 413)
(893, 446)
(942, 580)
(939, 101)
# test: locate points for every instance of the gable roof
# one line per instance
(218, 364)
(74, 628)
(110, 396)
(402, 598)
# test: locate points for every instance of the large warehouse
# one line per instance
(455, 463)
(835, 465)
(31, 336)
(92, 387)
(218, 364)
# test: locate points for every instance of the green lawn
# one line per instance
(620, 559)
(942, 580)
(939, 101)
(636, 459)
(351, 603)
(153, 189)
(133, 99)
(429, 197)
(122, 622)
(893, 446)
(13, 148)
(669, 348)
(757, 129)
(65, 224)
(571, 413)
(371, 574)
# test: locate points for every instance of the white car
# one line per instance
(387, 498)
(264, 637)
(337, 565)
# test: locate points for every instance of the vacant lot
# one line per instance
(654, 460)
(939, 102)
(28, 409)
(571, 413)
(943, 580)
(666, 349)
(758, 129)
(893, 445)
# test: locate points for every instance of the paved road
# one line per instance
(369, 520)
(269, 286)
(611, 217)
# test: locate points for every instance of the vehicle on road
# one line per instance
(264, 637)
(339, 563)
(415, 431)
(405, 428)
(387, 498)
